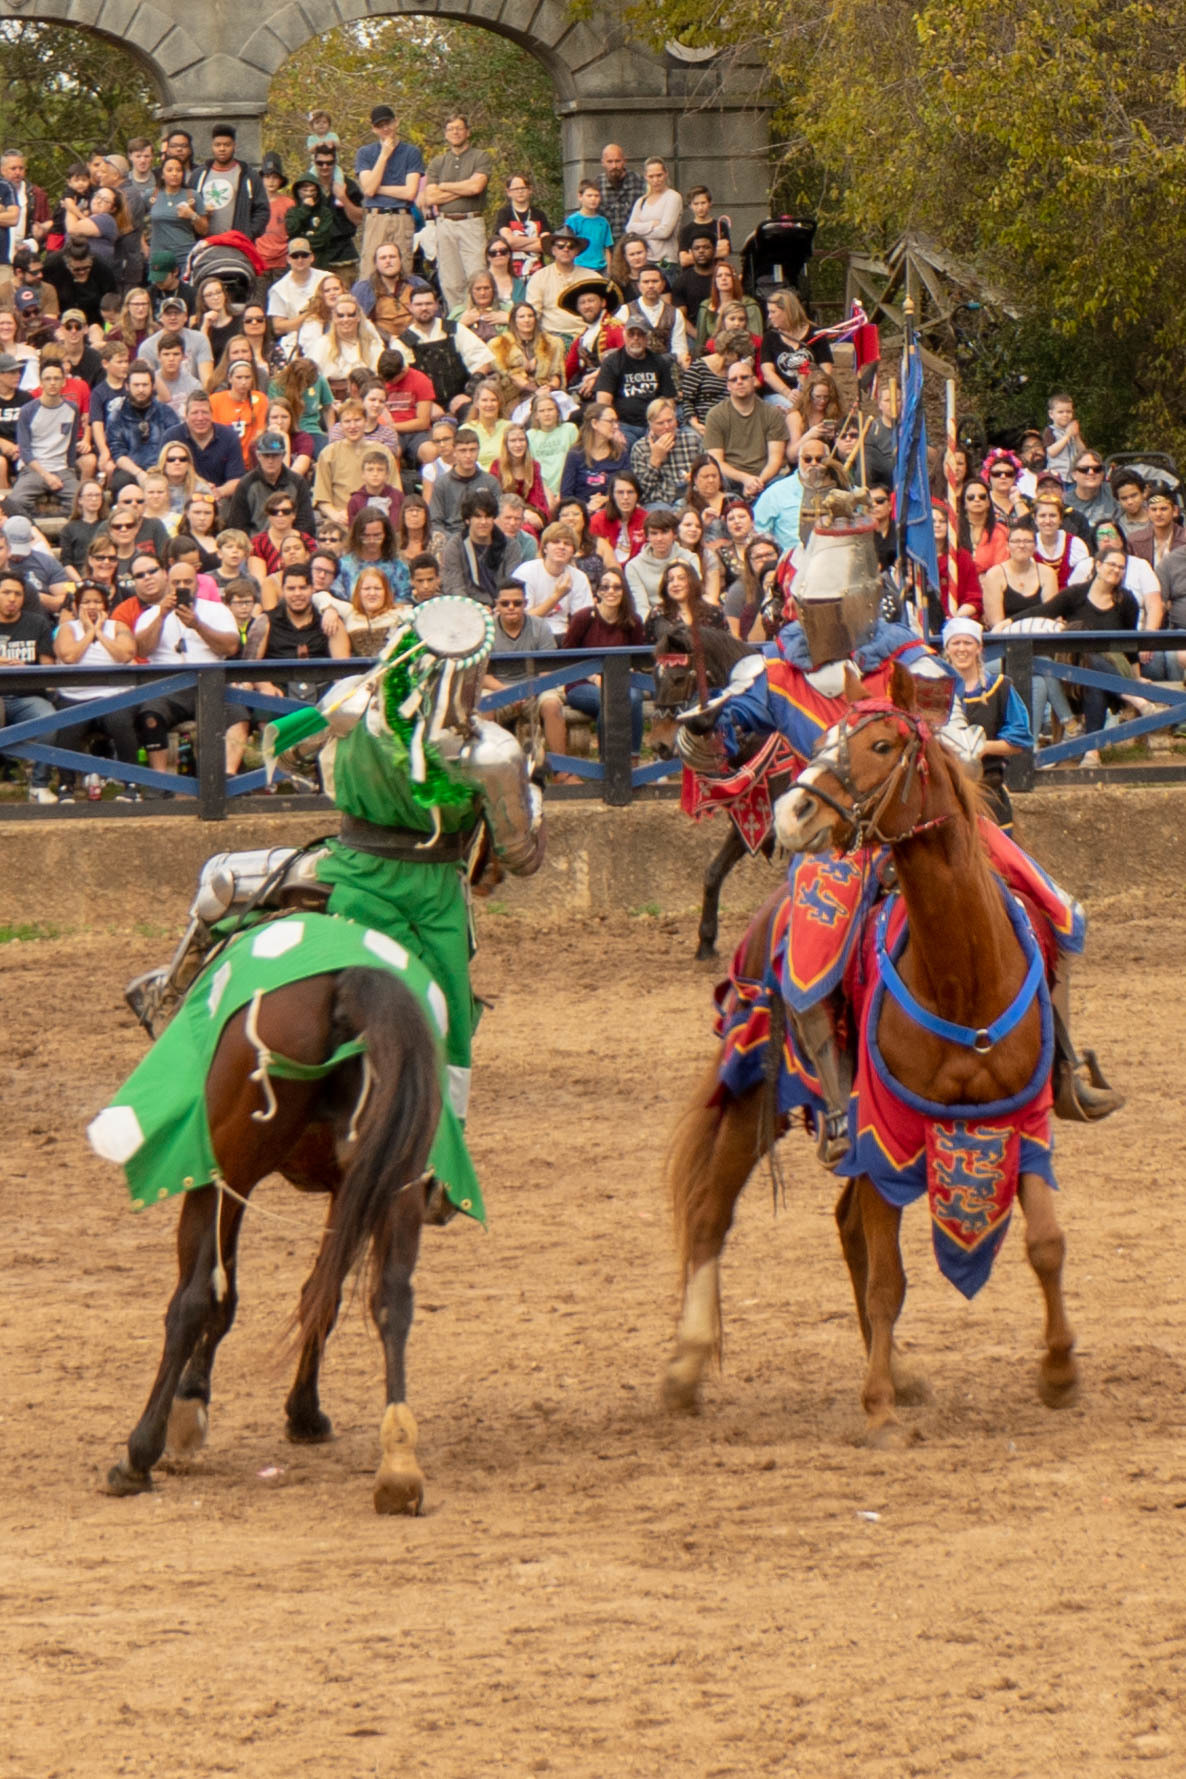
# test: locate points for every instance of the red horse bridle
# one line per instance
(864, 813)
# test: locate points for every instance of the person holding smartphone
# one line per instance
(815, 413)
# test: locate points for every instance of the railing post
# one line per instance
(615, 717)
(211, 709)
(1019, 665)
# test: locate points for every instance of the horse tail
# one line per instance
(392, 1135)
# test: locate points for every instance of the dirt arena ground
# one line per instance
(594, 1590)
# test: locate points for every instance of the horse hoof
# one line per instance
(1059, 1389)
(399, 1485)
(123, 1480)
(399, 1491)
(681, 1382)
(705, 952)
(315, 1429)
(890, 1437)
(189, 1423)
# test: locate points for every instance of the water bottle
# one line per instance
(94, 787)
(186, 761)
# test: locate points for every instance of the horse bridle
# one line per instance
(864, 813)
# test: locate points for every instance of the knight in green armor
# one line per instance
(416, 774)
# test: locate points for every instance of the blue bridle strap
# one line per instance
(983, 1040)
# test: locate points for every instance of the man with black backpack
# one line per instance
(447, 352)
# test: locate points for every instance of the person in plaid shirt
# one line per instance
(662, 459)
(620, 188)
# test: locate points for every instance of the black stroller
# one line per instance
(776, 254)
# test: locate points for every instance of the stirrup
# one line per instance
(831, 1136)
(1080, 1100)
(145, 995)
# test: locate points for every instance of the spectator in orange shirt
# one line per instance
(242, 404)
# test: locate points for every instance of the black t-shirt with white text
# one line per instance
(634, 383)
(26, 639)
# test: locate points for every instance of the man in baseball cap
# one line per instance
(164, 279)
(197, 354)
(272, 476)
(388, 173)
(12, 400)
(634, 376)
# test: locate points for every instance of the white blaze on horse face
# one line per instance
(802, 822)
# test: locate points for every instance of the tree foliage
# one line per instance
(1041, 142)
(64, 92)
(424, 70)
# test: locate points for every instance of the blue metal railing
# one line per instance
(217, 684)
(611, 775)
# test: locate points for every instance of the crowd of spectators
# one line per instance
(243, 417)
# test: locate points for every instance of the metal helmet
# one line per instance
(837, 591)
(457, 633)
(429, 679)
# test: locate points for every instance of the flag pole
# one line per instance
(902, 513)
(952, 515)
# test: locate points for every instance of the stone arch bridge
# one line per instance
(214, 59)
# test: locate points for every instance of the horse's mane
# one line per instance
(969, 796)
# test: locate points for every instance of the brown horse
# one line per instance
(879, 777)
(362, 1133)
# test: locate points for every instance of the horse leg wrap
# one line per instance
(399, 1485)
(817, 1030)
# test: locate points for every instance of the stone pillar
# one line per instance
(708, 122)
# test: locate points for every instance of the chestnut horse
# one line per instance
(878, 777)
(362, 1133)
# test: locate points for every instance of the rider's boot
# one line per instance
(1081, 1094)
(818, 1031)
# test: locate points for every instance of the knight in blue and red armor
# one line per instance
(799, 692)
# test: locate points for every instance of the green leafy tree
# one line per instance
(424, 70)
(64, 92)
(1043, 143)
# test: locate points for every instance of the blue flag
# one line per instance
(912, 489)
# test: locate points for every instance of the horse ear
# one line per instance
(854, 691)
(902, 689)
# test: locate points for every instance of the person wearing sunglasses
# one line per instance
(345, 199)
(270, 476)
(1090, 495)
(777, 508)
(279, 523)
(291, 295)
(508, 289)
(78, 355)
(1000, 470)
